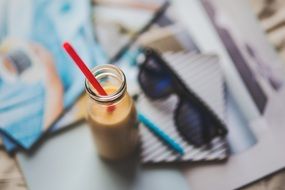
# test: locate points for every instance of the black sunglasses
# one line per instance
(195, 121)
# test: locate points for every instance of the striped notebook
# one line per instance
(203, 75)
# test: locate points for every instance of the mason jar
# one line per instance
(112, 118)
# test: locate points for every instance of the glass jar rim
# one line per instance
(114, 96)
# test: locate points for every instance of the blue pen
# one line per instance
(159, 133)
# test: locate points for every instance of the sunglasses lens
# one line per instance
(154, 80)
(193, 125)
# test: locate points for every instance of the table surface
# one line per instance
(56, 165)
(151, 177)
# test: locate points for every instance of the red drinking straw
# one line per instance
(82, 66)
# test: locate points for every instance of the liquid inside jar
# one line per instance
(115, 130)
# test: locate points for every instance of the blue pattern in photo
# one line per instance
(52, 22)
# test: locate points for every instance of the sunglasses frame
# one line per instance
(184, 94)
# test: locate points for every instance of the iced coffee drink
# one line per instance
(112, 118)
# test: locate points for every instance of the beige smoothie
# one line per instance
(115, 132)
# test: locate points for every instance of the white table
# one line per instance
(69, 161)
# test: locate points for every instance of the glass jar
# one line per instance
(112, 118)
